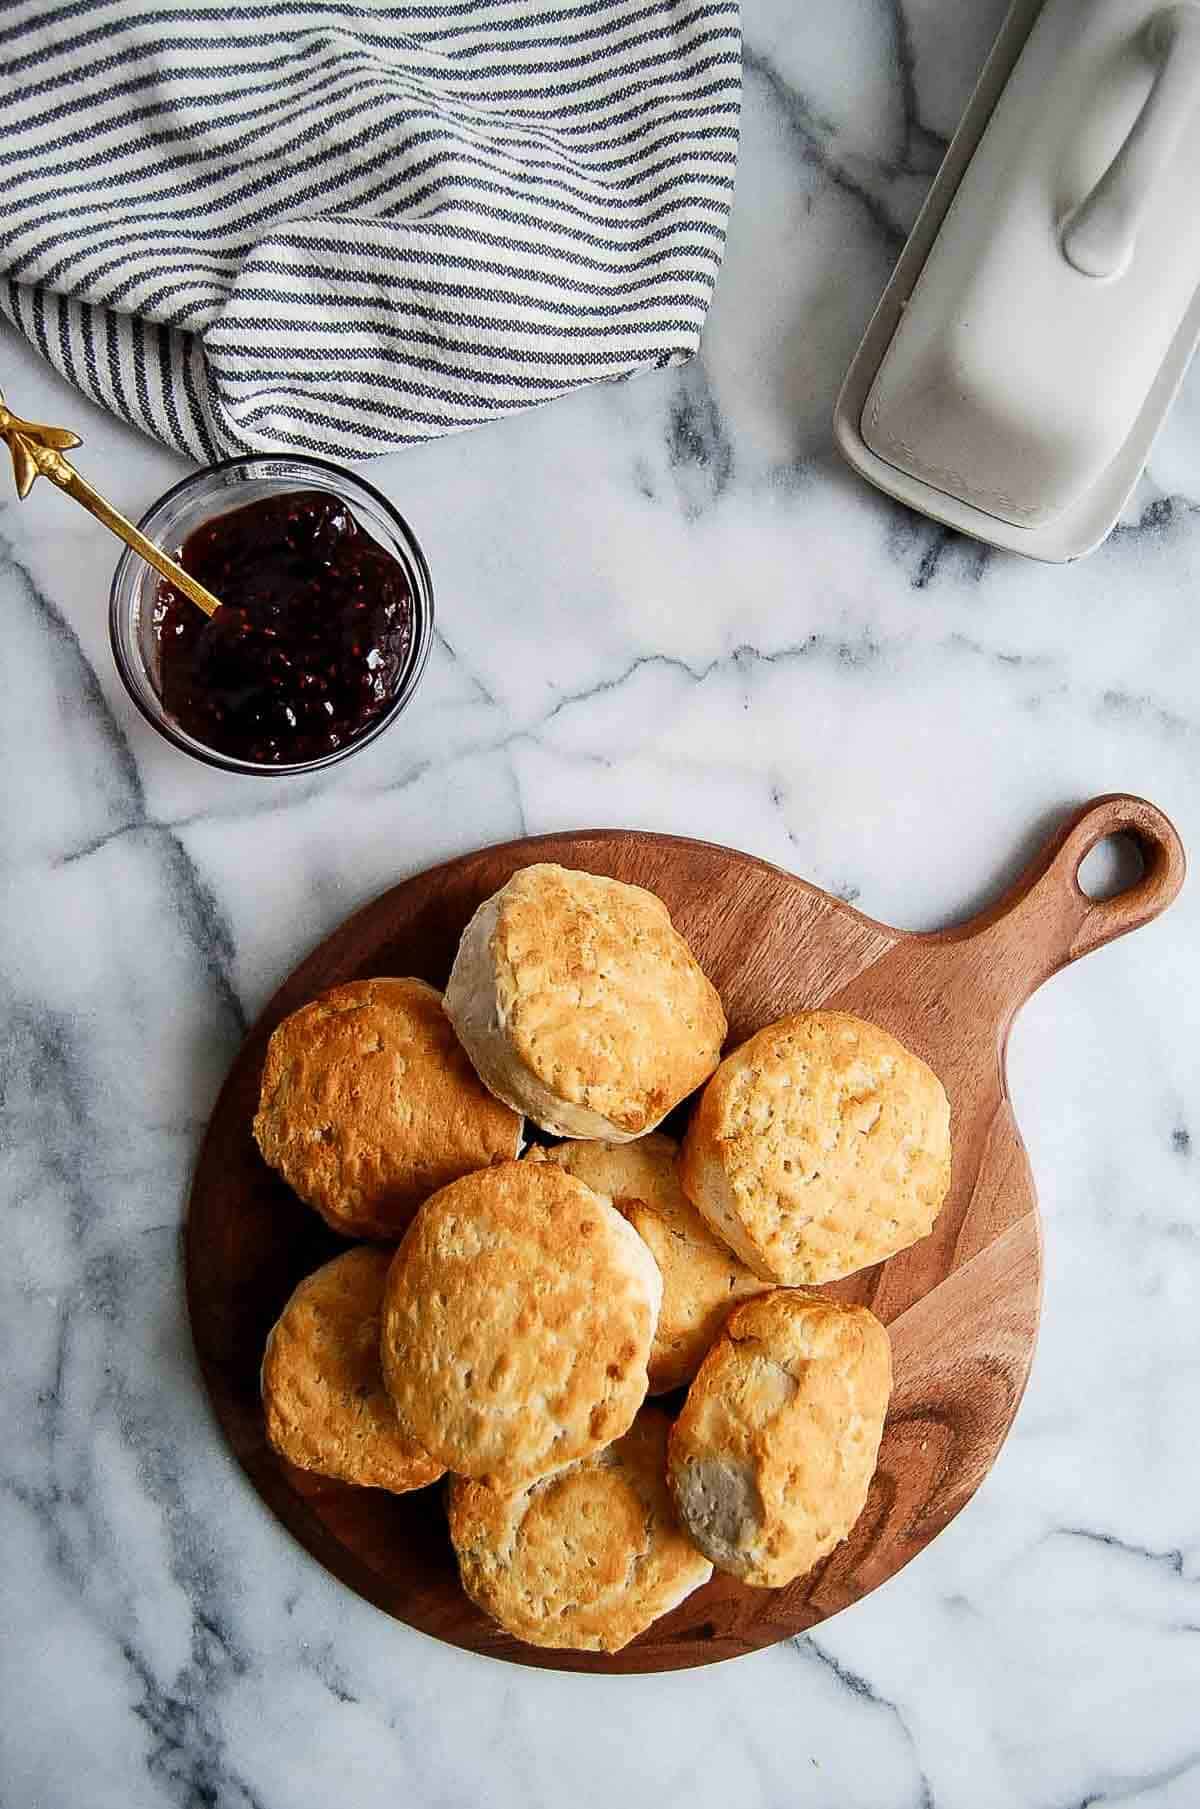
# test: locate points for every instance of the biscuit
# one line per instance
(818, 1147)
(772, 1456)
(518, 1318)
(368, 1105)
(586, 1558)
(581, 1005)
(322, 1387)
(702, 1280)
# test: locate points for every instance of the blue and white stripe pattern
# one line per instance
(282, 224)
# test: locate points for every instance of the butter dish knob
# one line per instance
(1099, 236)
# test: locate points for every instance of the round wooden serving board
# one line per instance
(961, 1307)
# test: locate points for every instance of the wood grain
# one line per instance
(962, 1306)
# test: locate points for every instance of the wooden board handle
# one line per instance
(1046, 920)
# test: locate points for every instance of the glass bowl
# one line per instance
(213, 491)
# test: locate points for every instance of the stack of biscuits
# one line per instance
(517, 1305)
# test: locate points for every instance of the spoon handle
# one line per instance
(37, 451)
(64, 474)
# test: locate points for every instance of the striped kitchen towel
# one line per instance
(284, 225)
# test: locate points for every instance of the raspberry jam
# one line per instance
(312, 640)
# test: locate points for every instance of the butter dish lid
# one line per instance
(1013, 386)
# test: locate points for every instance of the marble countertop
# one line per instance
(661, 605)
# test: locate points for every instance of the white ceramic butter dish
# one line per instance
(1043, 312)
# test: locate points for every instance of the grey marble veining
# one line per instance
(662, 604)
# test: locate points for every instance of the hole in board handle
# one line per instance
(1113, 866)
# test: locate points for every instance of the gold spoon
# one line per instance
(37, 451)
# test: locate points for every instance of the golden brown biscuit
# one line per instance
(818, 1147)
(519, 1314)
(322, 1387)
(772, 1456)
(586, 1558)
(581, 1005)
(702, 1280)
(369, 1105)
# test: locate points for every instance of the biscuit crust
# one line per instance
(702, 1279)
(586, 1558)
(581, 1005)
(517, 1323)
(819, 1146)
(771, 1458)
(322, 1386)
(368, 1105)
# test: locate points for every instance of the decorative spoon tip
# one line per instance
(37, 451)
